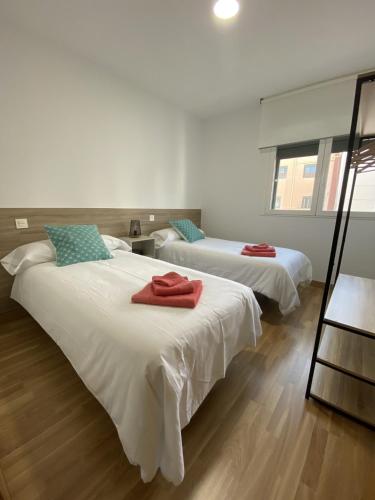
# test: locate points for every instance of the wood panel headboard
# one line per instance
(112, 221)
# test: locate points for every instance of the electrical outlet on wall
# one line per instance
(151, 218)
(22, 223)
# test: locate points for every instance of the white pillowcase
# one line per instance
(28, 255)
(113, 243)
(164, 236)
(39, 252)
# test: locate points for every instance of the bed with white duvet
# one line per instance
(276, 278)
(149, 366)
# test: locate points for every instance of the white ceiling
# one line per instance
(176, 48)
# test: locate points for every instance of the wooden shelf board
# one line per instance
(352, 304)
(344, 393)
(352, 353)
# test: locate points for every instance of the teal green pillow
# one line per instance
(187, 230)
(78, 243)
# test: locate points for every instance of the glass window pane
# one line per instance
(309, 170)
(334, 181)
(306, 202)
(294, 183)
(364, 191)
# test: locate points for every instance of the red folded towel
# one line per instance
(189, 300)
(169, 279)
(258, 254)
(262, 247)
(181, 288)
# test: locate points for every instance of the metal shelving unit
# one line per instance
(342, 370)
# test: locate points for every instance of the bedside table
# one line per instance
(143, 245)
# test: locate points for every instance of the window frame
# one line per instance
(272, 161)
(317, 202)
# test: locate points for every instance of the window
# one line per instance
(335, 173)
(334, 181)
(309, 170)
(364, 191)
(306, 202)
(307, 178)
(291, 184)
(283, 172)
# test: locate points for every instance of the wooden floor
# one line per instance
(255, 436)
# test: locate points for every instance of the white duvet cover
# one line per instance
(276, 278)
(149, 366)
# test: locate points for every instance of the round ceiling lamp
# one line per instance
(226, 9)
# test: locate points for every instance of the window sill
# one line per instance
(353, 216)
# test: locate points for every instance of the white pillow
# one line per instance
(39, 252)
(164, 236)
(28, 255)
(113, 243)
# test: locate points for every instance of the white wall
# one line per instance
(235, 184)
(73, 135)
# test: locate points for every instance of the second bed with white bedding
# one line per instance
(276, 278)
(149, 366)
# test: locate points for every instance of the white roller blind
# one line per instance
(316, 112)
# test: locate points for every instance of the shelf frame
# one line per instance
(341, 411)
(341, 394)
(348, 328)
(340, 369)
(323, 320)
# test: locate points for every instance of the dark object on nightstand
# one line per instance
(135, 228)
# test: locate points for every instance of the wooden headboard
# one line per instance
(112, 221)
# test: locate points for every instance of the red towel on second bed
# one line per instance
(258, 254)
(260, 250)
(189, 300)
(262, 247)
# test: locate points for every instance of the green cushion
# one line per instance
(187, 230)
(78, 243)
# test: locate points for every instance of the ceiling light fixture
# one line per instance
(225, 9)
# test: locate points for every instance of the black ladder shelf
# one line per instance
(342, 371)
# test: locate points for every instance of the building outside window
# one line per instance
(283, 172)
(278, 202)
(309, 170)
(306, 202)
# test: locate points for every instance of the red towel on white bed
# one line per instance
(258, 254)
(181, 288)
(260, 250)
(261, 247)
(188, 300)
(169, 279)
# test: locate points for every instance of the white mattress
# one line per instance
(149, 366)
(276, 278)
